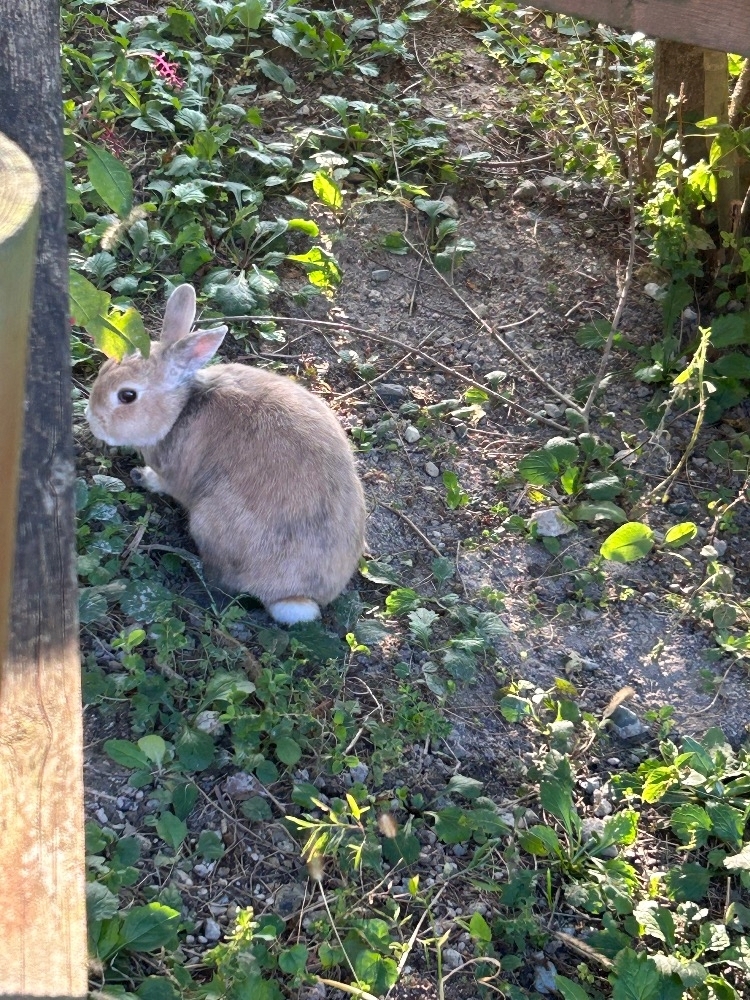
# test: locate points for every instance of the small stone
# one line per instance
(380, 274)
(654, 291)
(553, 410)
(625, 723)
(710, 552)
(451, 208)
(211, 930)
(589, 615)
(438, 379)
(359, 772)
(551, 522)
(432, 470)
(525, 192)
(720, 546)
(390, 392)
(240, 785)
(411, 435)
(545, 979)
(102, 817)
(452, 959)
(209, 722)
(553, 183)
(689, 315)
(459, 850)
(592, 829)
(605, 808)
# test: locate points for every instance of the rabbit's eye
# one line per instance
(127, 395)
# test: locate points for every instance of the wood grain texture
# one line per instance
(19, 220)
(42, 917)
(721, 24)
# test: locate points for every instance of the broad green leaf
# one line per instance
(195, 749)
(622, 828)
(680, 534)
(87, 303)
(156, 988)
(656, 921)
(452, 825)
(101, 903)
(126, 753)
(405, 847)
(564, 450)
(327, 190)
(570, 990)
(692, 824)
(210, 845)
(628, 543)
(146, 928)
(171, 830)
(154, 747)
(288, 751)
(636, 977)
(540, 468)
(184, 798)
(110, 179)
(557, 798)
(398, 602)
(689, 882)
(479, 928)
(604, 510)
(421, 621)
(728, 823)
(515, 709)
(540, 841)
(604, 488)
(470, 788)
(293, 961)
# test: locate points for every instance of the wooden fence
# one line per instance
(42, 911)
(710, 24)
(42, 914)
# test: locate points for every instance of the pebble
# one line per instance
(452, 959)
(211, 930)
(101, 817)
(459, 850)
(411, 435)
(380, 274)
(525, 192)
(551, 522)
(720, 546)
(438, 379)
(391, 392)
(625, 723)
(359, 772)
(432, 470)
(545, 979)
(553, 183)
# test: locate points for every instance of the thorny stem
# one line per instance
(627, 282)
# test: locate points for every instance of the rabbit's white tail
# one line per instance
(293, 610)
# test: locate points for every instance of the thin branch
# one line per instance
(381, 338)
(412, 525)
(607, 352)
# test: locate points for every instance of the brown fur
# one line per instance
(261, 464)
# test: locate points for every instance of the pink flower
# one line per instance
(168, 71)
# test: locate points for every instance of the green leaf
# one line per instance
(564, 450)
(327, 190)
(470, 788)
(156, 988)
(515, 709)
(405, 846)
(399, 601)
(479, 928)
(689, 882)
(629, 542)
(293, 960)
(604, 488)
(92, 605)
(288, 751)
(452, 825)
(604, 510)
(378, 572)
(195, 749)
(110, 179)
(421, 621)
(556, 798)
(210, 845)
(730, 329)
(540, 841)
(680, 534)
(728, 823)
(622, 828)
(636, 977)
(184, 798)
(656, 921)
(101, 903)
(126, 753)
(146, 928)
(172, 830)
(692, 824)
(569, 989)
(540, 468)
(154, 747)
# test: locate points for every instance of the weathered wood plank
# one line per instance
(42, 916)
(722, 24)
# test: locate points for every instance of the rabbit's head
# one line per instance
(136, 401)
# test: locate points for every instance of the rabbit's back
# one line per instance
(267, 475)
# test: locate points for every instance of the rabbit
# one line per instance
(262, 466)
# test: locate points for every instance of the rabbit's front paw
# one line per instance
(146, 478)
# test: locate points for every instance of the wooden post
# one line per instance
(19, 221)
(42, 910)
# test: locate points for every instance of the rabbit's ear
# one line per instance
(192, 352)
(179, 314)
